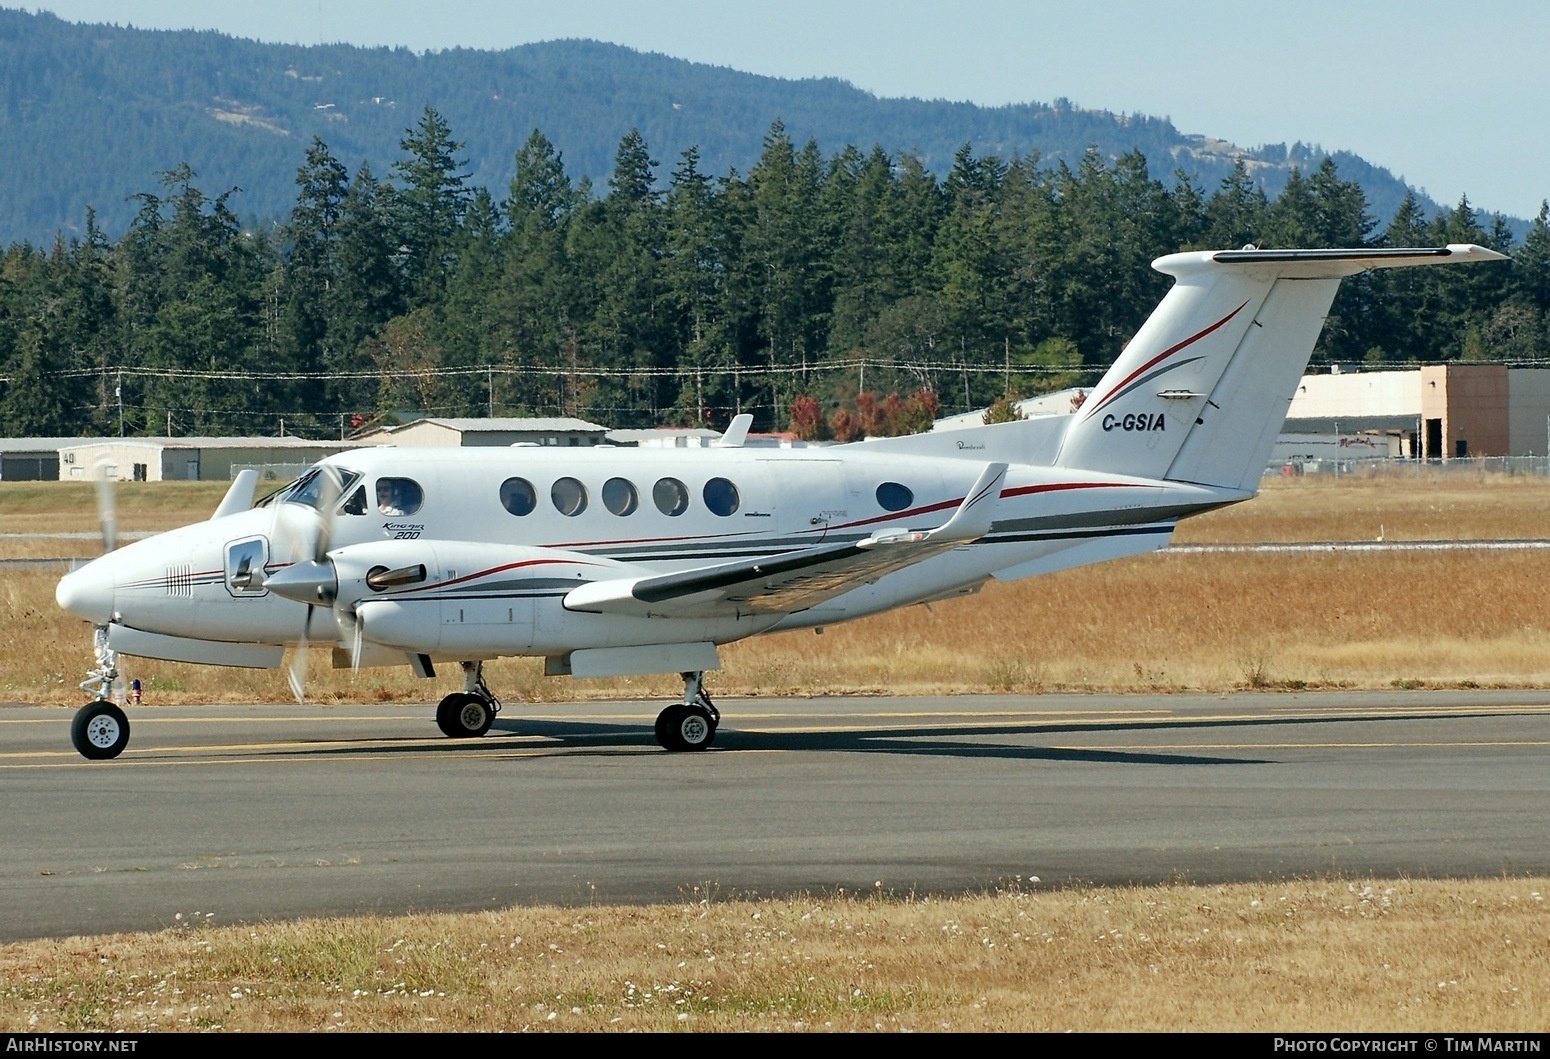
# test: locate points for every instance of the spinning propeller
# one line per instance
(307, 574)
(301, 533)
(107, 509)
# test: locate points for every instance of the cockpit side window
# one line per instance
(399, 496)
(356, 505)
(319, 487)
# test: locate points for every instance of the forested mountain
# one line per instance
(832, 290)
(90, 114)
(833, 295)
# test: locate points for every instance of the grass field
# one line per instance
(1351, 956)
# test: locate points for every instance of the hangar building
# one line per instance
(191, 459)
(452, 433)
(1435, 412)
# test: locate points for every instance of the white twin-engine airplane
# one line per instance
(611, 561)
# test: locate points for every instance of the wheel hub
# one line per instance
(694, 729)
(472, 715)
(102, 731)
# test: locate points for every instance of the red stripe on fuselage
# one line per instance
(494, 570)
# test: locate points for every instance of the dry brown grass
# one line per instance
(1426, 506)
(1353, 956)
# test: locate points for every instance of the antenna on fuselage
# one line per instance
(737, 432)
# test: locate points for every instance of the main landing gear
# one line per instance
(100, 729)
(469, 713)
(690, 724)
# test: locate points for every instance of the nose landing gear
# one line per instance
(100, 730)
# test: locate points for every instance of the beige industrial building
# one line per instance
(1435, 412)
(190, 459)
(453, 433)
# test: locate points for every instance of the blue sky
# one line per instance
(1451, 97)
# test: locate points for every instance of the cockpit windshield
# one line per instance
(320, 487)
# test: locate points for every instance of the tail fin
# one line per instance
(1201, 391)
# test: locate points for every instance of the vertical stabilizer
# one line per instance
(1200, 393)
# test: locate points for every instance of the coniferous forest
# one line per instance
(835, 295)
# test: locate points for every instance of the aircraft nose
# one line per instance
(86, 594)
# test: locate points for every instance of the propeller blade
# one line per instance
(296, 675)
(311, 578)
(107, 509)
(328, 496)
(355, 646)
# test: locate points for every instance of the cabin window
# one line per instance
(399, 496)
(670, 496)
(721, 496)
(569, 496)
(619, 496)
(518, 496)
(891, 496)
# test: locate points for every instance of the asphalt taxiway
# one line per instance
(245, 813)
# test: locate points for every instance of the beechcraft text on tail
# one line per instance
(622, 561)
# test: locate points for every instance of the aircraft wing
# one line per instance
(783, 584)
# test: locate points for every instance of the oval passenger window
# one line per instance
(619, 496)
(721, 496)
(518, 497)
(670, 496)
(891, 496)
(569, 496)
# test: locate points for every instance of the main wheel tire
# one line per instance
(444, 715)
(100, 731)
(681, 727)
(464, 716)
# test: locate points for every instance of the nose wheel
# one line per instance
(100, 730)
(692, 723)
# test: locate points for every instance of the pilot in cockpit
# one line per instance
(390, 498)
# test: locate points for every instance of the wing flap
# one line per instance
(783, 584)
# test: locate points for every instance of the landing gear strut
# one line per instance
(468, 714)
(690, 724)
(100, 729)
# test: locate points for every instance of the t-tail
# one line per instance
(1200, 393)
